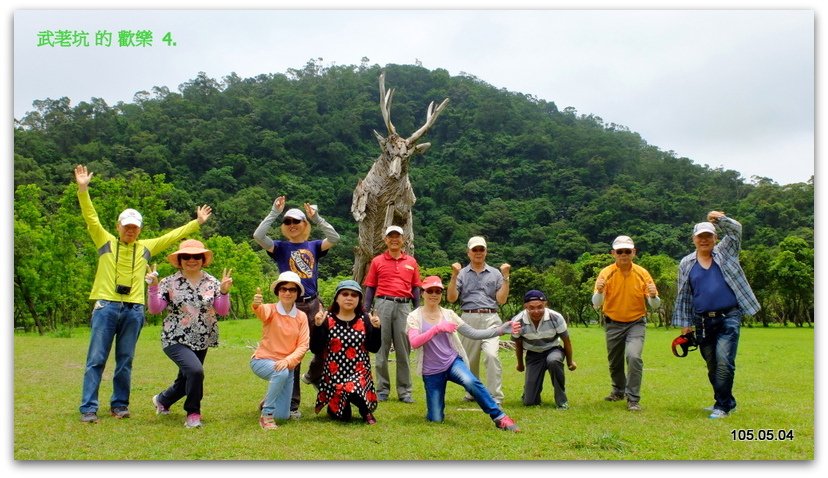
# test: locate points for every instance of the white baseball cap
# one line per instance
(130, 217)
(703, 227)
(396, 229)
(296, 214)
(477, 241)
(622, 242)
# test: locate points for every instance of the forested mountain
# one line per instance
(542, 184)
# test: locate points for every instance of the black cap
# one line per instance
(533, 295)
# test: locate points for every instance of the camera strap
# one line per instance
(117, 254)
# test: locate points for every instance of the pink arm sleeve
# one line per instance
(418, 339)
(222, 304)
(156, 302)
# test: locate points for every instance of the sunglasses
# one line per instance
(623, 251)
(349, 293)
(434, 290)
(478, 249)
(291, 222)
(187, 257)
(289, 290)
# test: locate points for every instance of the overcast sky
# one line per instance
(725, 88)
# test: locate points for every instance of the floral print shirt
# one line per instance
(191, 317)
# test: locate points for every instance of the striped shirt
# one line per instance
(546, 335)
(726, 256)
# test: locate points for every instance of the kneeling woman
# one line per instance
(344, 336)
(432, 331)
(284, 342)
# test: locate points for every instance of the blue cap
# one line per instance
(533, 295)
(348, 284)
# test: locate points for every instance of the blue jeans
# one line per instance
(279, 388)
(718, 340)
(435, 390)
(111, 321)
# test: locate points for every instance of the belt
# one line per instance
(480, 311)
(400, 300)
(712, 314)
(306, 299)
(619, 322)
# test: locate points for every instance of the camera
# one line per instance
(123, 289)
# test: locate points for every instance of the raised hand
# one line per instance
(310, 211)
(203, 213)
(152, 275)
(82, 177)
(226, 281)
(375, 320)
(455, 268)
(505, 268)
(651, 290)
(257, 297)
(279, 204)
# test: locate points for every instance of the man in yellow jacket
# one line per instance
(118, 292)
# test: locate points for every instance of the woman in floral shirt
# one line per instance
(343, 336)
(192, 299)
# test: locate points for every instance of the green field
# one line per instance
(774, 388)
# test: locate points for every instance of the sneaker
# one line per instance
(89, 417)
(614, 397)
(633, 406)
(305, 379)
(381, 397)
(267, 422)
(120, 412)
(718, 413)
(159, 409)
(713, 407)
(369, 419)
(295, 414)
(468, 398)
(563, 406)
(507, 424)
(407, 400)
(261, 405)
(193, 420)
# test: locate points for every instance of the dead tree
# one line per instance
(385, 197)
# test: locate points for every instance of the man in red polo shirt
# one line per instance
(392, 286)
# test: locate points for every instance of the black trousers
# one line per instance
(190, 379)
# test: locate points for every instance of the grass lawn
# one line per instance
(774, 387)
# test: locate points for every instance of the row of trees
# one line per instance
(544, 185)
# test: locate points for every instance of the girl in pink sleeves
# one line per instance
(192, 299)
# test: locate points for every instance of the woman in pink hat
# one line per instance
(433, 333)
(192, 299)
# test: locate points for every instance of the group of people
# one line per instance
(392, 307)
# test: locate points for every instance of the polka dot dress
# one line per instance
(347, 367)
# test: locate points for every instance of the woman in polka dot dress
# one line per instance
(344, 335)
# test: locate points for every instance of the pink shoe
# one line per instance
(507, 424)
(193, 420)
(267, 422)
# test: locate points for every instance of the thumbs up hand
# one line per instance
(257, 297)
